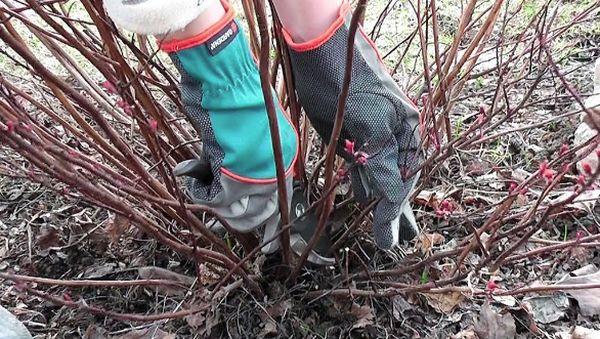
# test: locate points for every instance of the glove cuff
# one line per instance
(323, 38)
(202, 38)
(151, 17)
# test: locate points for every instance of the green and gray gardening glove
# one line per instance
(221, 91)
(380, 122)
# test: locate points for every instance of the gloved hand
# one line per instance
(380, 120)
(221, 91)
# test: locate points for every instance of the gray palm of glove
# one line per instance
(243, 208)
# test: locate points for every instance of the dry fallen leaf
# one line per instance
(493, 180)
(95, 332)
(196, 320)
(520, 175)
(49, 237)
(280, 309)
(506, 300)
(117, 225)
(269, 329)
(581, 255)
(547, 308)
(522, 200)
(364, 315)
(203, 322)
(400, 305)
(478, 167)
(429, 198)
(444, 303)
(492, 325)
(96, 272)
(588, 299)
(427, 241)
(465, 334)
(207, 275)
(584, 202)
(579, 332)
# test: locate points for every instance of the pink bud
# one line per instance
(543, 166)
(10, 126)
(564, 149)
(73, 154)
(445, 209)
(491, 286)
(579, 235)
(349, 146)
(587, 168)
(341, 174)
(109, 87)
(361, 158)
(446, 205)
(546, 172)
(598, 152)
(153, 125)
(548, 175)
(67, 297)
(513, 187)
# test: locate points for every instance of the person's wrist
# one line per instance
(213, 12)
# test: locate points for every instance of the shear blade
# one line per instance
(303, 228)
(195, 168)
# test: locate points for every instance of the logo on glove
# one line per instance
(222, 39)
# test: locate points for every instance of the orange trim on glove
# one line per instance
(319, 41)
(178, 45)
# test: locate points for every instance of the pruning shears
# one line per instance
(305, 220)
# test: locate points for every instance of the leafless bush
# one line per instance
(105, 124)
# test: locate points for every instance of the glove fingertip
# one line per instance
(386, 234)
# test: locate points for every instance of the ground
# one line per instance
(55, 234)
